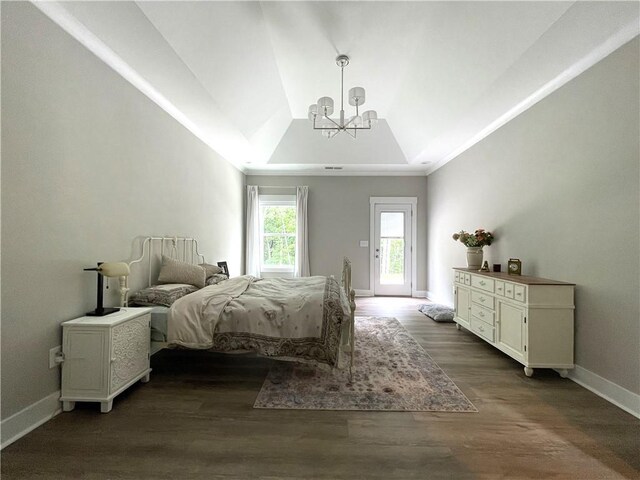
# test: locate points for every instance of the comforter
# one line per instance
(302, 318)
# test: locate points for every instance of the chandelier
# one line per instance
(319, 112)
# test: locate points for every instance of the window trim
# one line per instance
(274, 201)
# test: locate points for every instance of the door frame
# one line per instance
(413, 201)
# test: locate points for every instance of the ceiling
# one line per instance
(441, 75)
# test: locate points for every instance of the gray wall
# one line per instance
(88, 164)
(339, 219)
(559, 188)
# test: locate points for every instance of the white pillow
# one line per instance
(175, 271)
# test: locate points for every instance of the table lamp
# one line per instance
(106, 269)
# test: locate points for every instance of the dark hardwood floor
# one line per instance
(195, 420)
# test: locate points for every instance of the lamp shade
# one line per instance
(329, 133)
(356, 96)
(355, 121)
(325, 106)
(114, 269)
(370, 118)
(313, 111)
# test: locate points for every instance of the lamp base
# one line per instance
(101, 312)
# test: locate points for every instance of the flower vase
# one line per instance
(474, 258)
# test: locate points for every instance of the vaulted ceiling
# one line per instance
(441, 75)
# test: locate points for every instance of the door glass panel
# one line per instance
(391, 248)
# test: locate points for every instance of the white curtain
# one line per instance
(302, 233)
(252, 259)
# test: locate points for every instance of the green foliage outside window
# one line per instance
(396, 255)
(392, 255)
(279, 235)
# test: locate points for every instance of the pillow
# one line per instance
(217, 278)
(437, 313)
(211, 269)
(174, 271)
(163, 295)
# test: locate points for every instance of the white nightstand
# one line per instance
(103, 356)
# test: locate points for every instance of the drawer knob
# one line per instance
(481, 328)
(519, 294)
(482, 299)
(482, 314)
(482, 282)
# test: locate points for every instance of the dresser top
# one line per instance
(524, 279)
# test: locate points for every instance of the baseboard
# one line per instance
(619, 396)
(437, 299)
(369, 293)
(363, 293)
(19, 424)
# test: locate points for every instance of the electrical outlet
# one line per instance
(53, 353)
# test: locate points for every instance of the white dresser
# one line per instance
(103, 356)
(528, 318)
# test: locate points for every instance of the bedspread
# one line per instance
(301, 318)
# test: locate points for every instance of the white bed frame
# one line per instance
(351, 296)
(178, 248)
(186, 250)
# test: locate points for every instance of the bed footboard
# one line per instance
(351, 295)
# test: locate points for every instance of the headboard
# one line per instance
(184, 249)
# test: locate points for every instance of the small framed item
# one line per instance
(224, 267)
(514, 266)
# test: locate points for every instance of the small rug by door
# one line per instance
(392, 372)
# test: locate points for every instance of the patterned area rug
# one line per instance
(392, 372)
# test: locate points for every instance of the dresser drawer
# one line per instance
(500, 288)
(456, 276)
(483, 283)
(484, 330)
(520, 293)
(508, 290)
(482, 299)
(482, 313)
(467, 278)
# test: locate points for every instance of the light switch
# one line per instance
(364, 243)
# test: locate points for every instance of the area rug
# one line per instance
(392, 372)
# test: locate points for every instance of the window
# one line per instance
(277, 233)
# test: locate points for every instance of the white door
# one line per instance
(392, 249)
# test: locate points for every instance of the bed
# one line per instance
(307, 319)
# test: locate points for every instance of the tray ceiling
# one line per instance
(442, 75)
